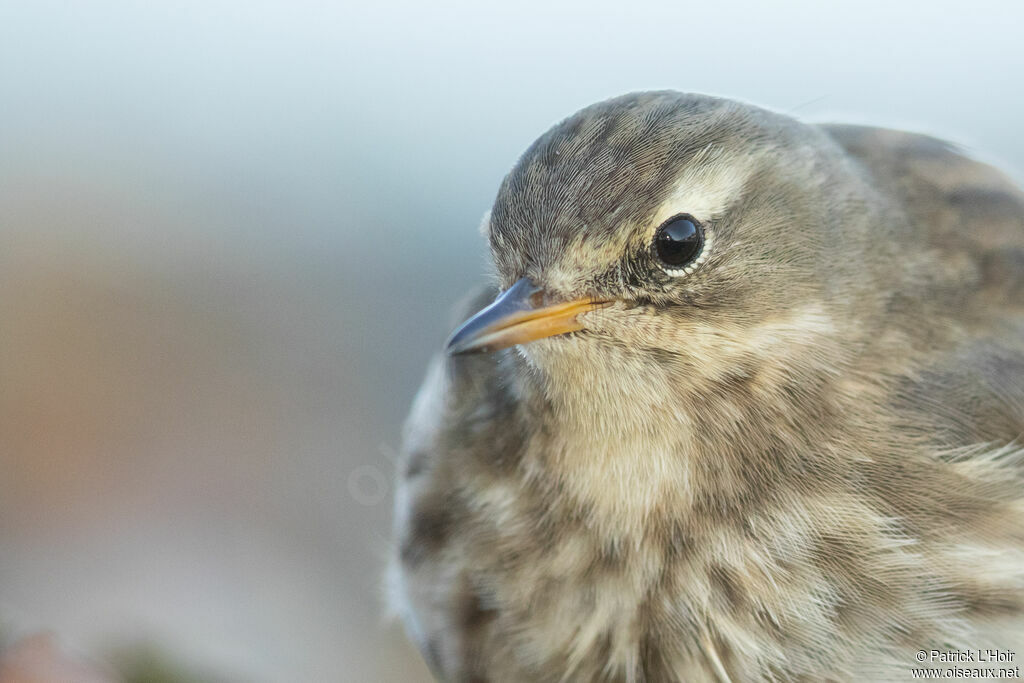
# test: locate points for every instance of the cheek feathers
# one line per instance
(792, 343)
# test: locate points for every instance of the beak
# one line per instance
(517, 317)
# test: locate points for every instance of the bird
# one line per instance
(743, 400)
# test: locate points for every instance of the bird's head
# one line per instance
(685, 236)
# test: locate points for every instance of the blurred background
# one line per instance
(230, 235)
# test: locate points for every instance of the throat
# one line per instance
(614, 435)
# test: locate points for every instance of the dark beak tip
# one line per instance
(460, 342)
(467, 337)
(458, 353)
(451, 349)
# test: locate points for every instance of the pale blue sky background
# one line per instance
(229, 236)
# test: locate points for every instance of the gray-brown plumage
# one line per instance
(795, 457)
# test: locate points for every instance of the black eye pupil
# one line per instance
(679, 241)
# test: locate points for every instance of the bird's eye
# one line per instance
(679, 242)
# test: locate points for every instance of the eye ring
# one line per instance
(680, 244)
